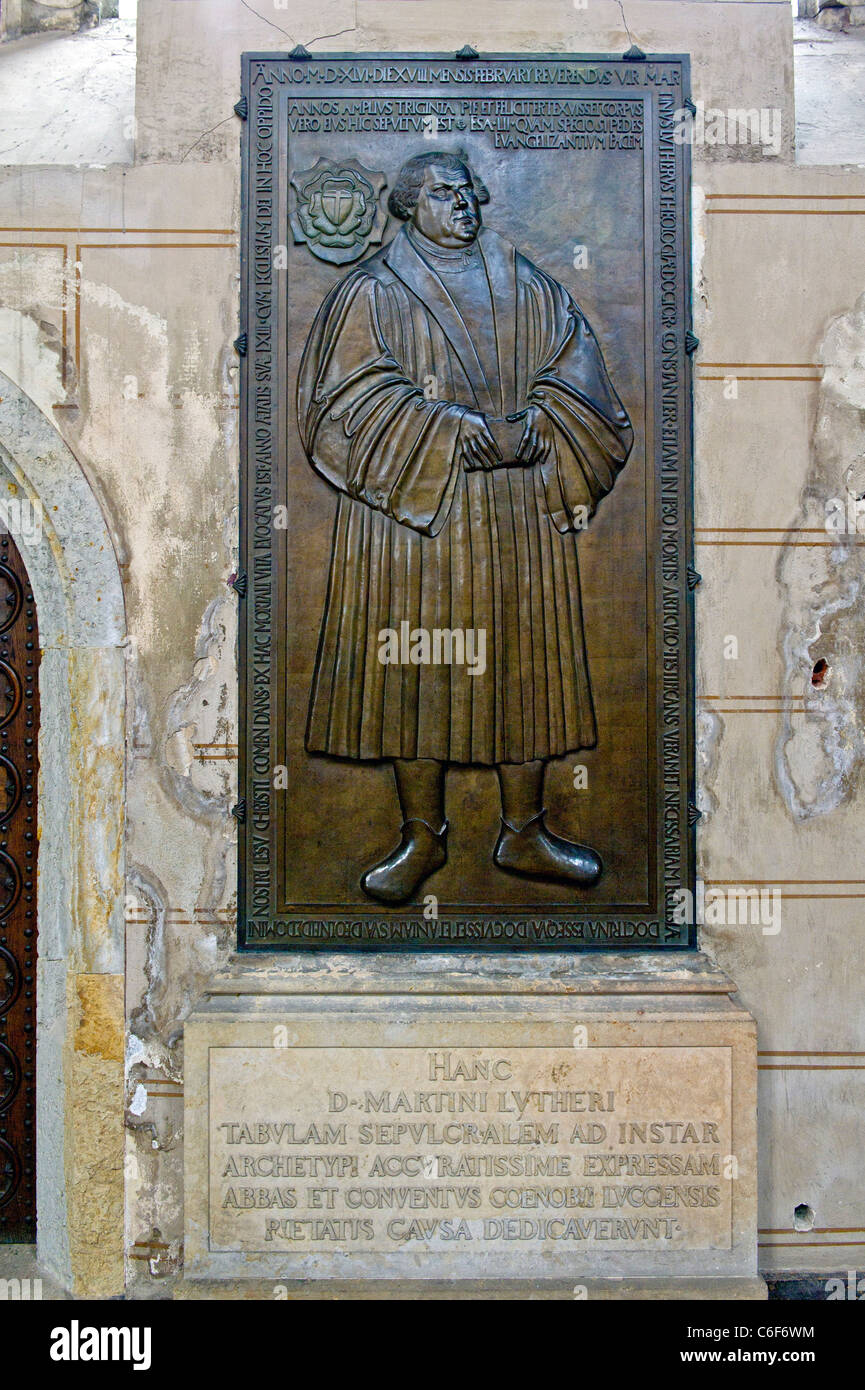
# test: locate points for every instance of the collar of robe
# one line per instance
(445, 258)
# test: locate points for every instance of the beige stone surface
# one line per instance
(100, 1026)
(349, 1135)
(471, 972)
(477, 1290)
(204, 60)
(94, 1138)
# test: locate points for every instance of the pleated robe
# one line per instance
(419, 540)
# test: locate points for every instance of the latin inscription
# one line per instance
(395, 1148)
(510, 123)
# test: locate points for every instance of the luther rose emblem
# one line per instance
(337, 210)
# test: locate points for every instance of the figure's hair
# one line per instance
(406, 190)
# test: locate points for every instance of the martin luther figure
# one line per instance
(456, 398)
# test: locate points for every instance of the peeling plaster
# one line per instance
(190, 766)
(201, 720)
(94, 292)
(138, 1102)
(699, 281)
(146, 897)
(710, 731)
(164, 516)
(819, 759)
(30, 350)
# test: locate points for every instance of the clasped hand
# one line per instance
(478, 448)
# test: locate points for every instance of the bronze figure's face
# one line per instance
(447, 210)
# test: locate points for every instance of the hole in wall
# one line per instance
(820, 673)
(803, 1217)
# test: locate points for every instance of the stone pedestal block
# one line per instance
(580, 1125)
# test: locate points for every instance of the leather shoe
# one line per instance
(536, 852)
(419, 853)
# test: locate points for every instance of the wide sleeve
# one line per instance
(366, 426)
(592, 430)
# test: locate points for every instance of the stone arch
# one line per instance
(76, 584)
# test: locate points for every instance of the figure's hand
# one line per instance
(538, 441)
(477, 447)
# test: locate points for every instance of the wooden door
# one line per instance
(19, 732)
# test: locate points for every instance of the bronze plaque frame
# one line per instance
(393, 85)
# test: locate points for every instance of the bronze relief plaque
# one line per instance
(466, 533)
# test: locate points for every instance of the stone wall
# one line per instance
(18, 17)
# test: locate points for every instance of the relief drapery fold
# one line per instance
(387, 374)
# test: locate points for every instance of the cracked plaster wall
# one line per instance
(780, 276)
(819, 760)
